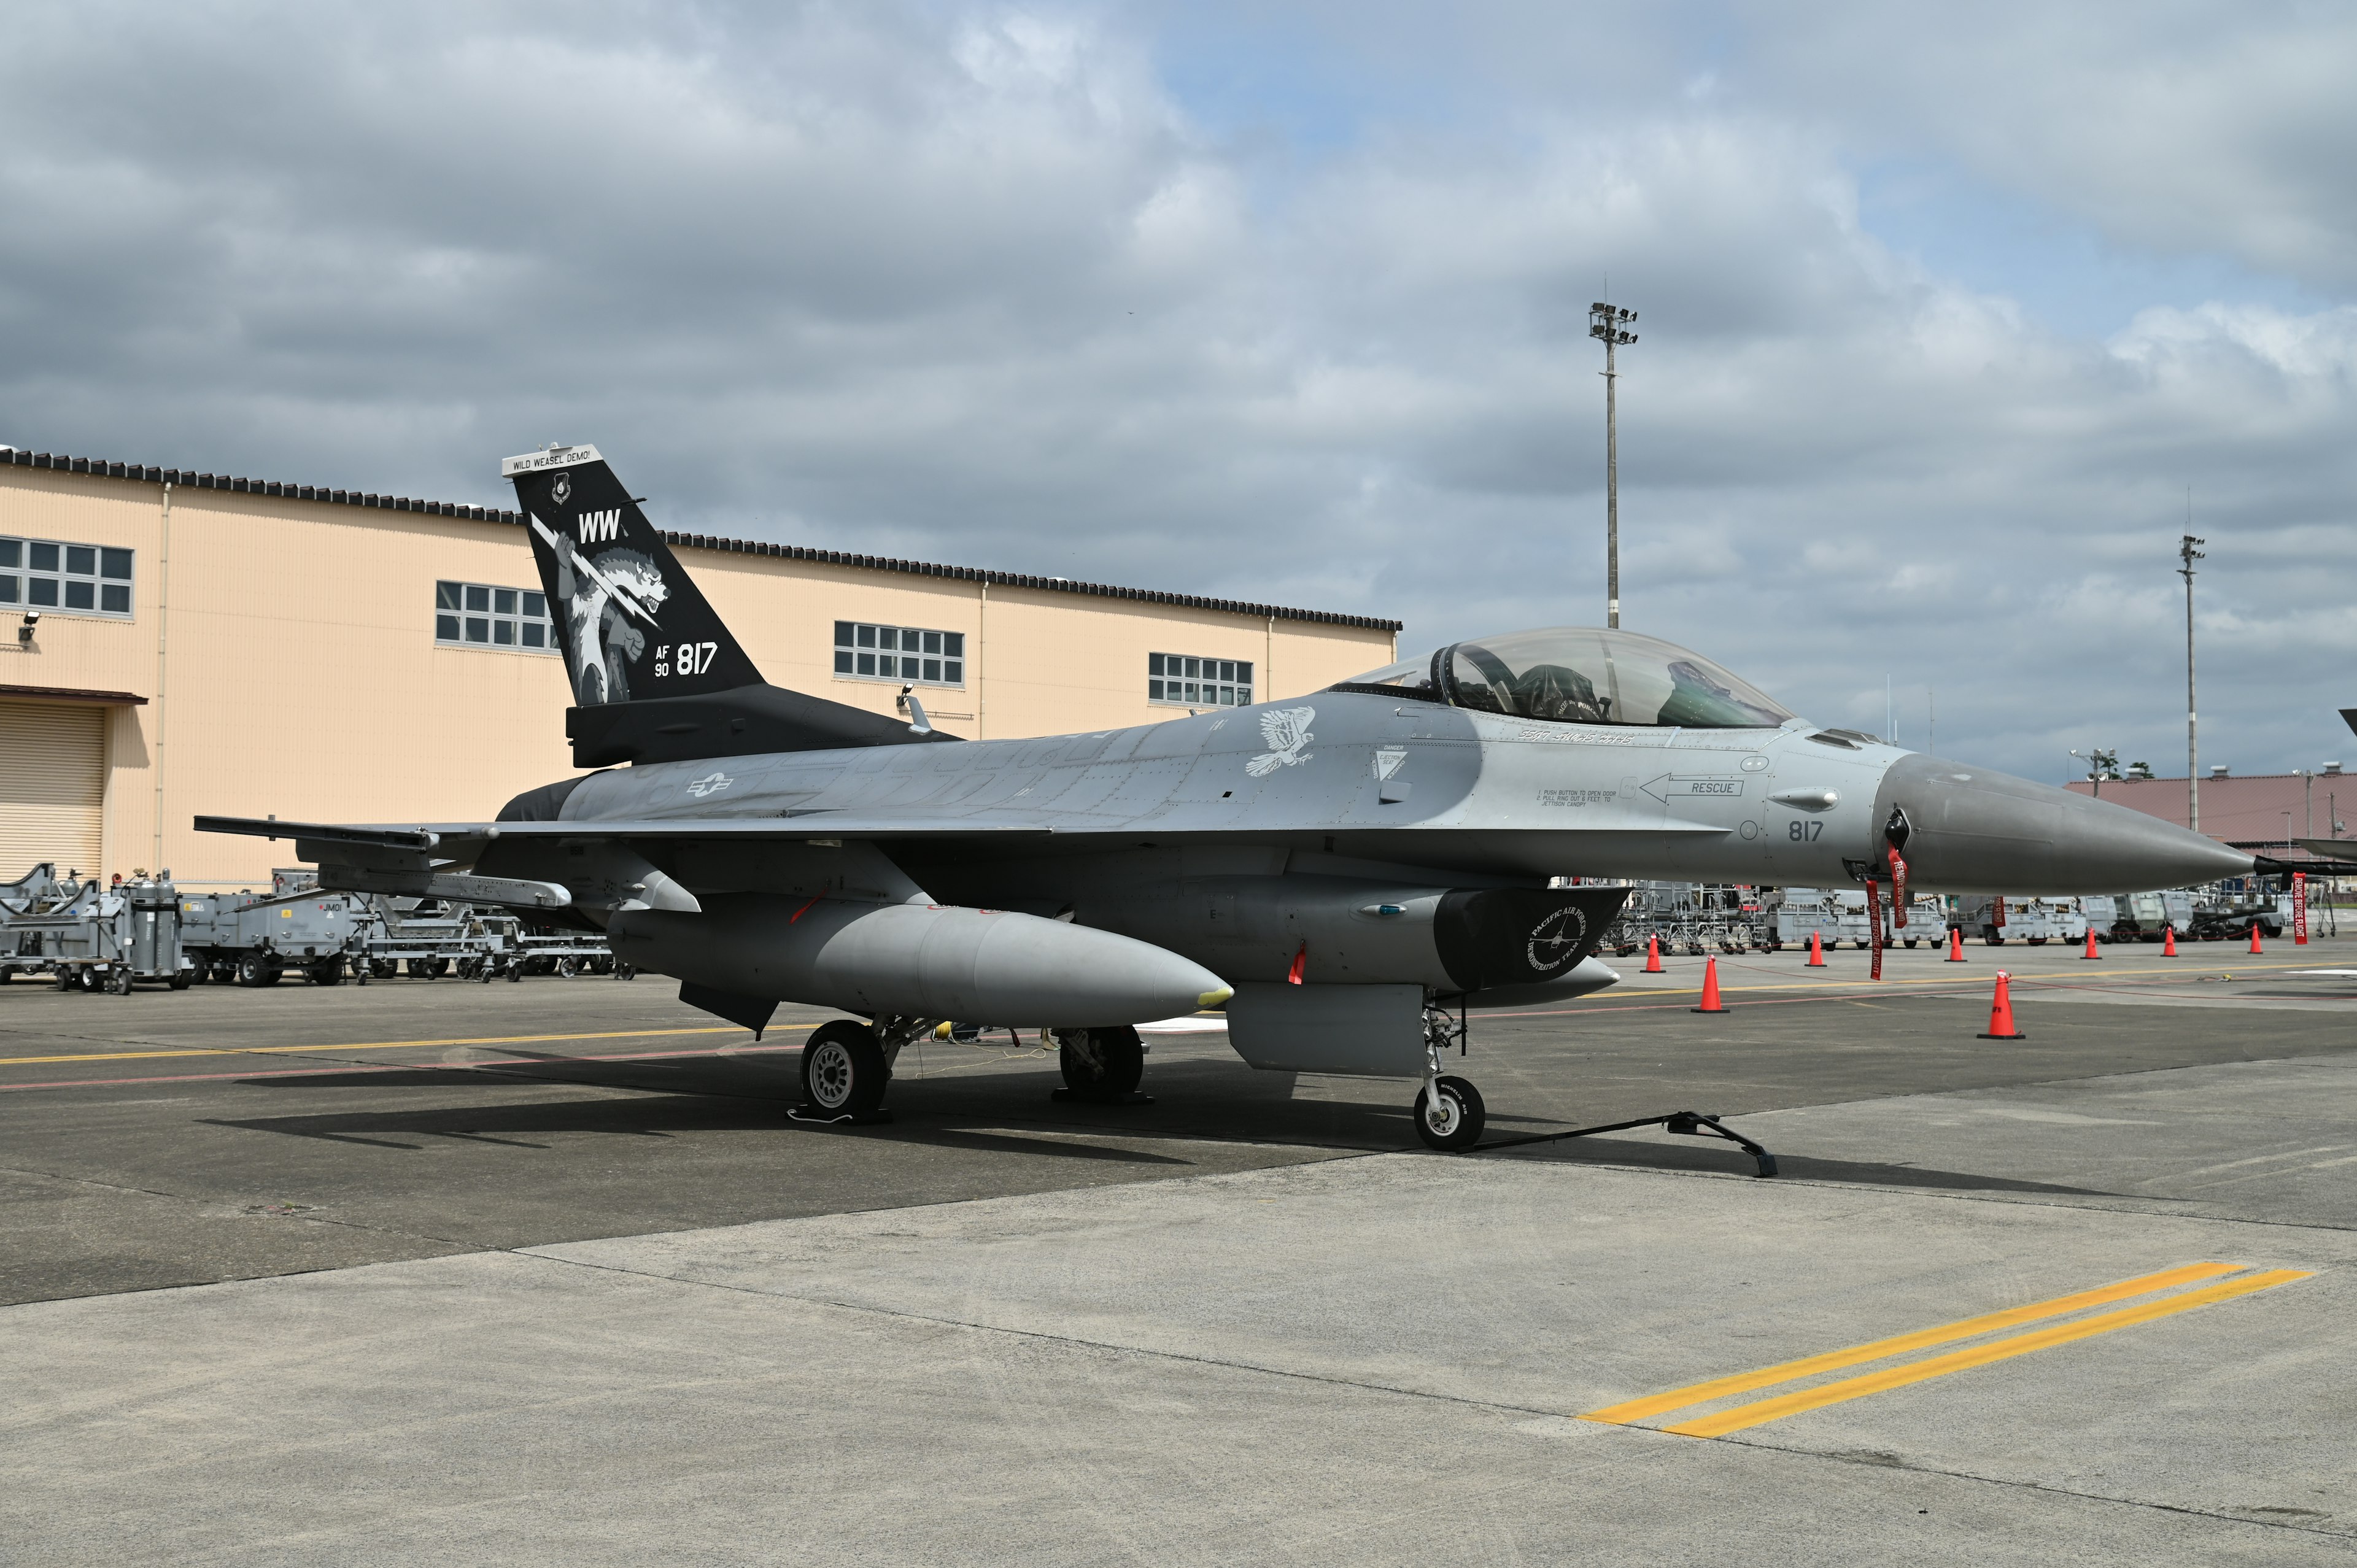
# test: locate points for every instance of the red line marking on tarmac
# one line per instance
(390, 1066)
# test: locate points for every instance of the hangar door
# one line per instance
(52, 786)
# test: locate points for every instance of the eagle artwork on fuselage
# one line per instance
(1345, 872)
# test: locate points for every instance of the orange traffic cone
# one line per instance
(2254, 937)
(1653, 954)
(2169, 941)
(1956, 944)
(1710, 1001)
(1816, 951)
(2001, 1013)
(2091, 951)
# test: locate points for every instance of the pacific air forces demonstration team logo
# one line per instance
(1555, 938)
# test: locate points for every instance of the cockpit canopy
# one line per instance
(1578, 674)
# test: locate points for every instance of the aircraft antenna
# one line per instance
(1611, 324)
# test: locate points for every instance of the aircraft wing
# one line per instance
(435, 835)
(422, 859)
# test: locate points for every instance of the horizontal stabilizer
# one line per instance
(506, 892)
(320, 832)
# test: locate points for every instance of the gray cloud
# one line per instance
(986, 284)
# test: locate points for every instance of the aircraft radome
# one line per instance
(1345, 871)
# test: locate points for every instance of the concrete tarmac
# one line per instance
(460, 1273)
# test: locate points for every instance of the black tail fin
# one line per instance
(631, 622)
(656, 677)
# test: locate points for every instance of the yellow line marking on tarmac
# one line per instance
(380, 1044)
(1833, 1360)
(1762, 1410)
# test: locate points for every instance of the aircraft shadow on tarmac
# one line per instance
(1196, 1101)
(646, 1116)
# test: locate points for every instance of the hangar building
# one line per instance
(205, 643)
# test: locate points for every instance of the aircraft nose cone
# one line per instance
(1971, 830)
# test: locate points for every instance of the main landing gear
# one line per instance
(846, 1070)
(1448, 1110)
(847, 1067)
(1102, 1067)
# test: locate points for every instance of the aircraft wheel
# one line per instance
(1102, 1064)
(1455, 1124)
(843, 1072)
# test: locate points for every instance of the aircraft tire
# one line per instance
(844, 1070)
(1116, 1074)
(1460, 1121)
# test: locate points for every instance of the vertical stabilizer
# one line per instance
(631, 621)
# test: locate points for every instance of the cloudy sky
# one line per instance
(1945, 311)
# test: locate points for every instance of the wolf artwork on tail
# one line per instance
(635, 627)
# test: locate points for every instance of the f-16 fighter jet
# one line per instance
(1345, 871)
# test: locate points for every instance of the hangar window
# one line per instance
(477, 614)
(907, 654)
(79, 579)
(1197, 682)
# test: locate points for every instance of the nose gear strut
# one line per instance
(1449, 1115)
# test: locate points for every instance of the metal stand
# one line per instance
(1694, 1123)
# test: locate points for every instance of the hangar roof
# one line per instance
(104, 468)
(2251, 811)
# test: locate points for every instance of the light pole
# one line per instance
(1609, 323)
(2188, 554)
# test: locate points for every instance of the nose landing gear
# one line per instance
(1449, 1114)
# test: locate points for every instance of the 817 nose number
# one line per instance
(1800, 831)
